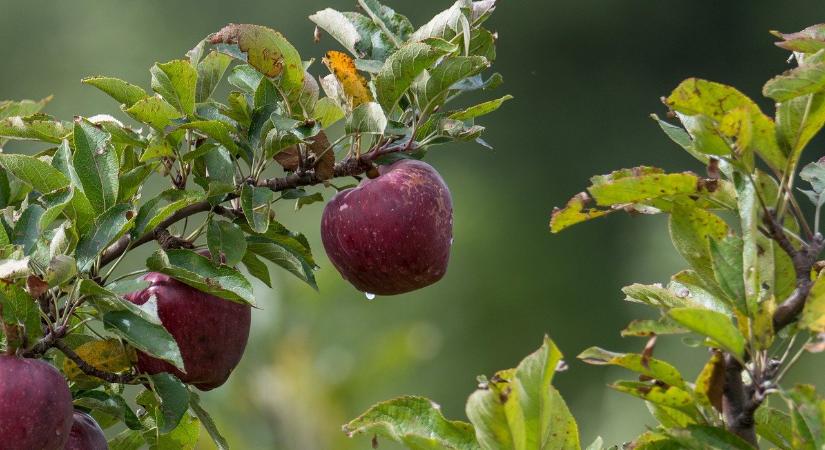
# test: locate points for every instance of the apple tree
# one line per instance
(195, 177)
(752, 297)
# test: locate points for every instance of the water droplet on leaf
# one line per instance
(369, 296)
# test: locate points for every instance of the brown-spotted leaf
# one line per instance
(575, 211)
(324, 156)
(267, 51)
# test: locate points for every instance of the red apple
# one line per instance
(211, 332)
(391, 234)
(35, 405)
(86, 434)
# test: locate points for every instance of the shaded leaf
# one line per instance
(96, 164)
(108, 227)
(226, 240)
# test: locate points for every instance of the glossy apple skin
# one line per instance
(35, 405)
(211, 332)
(391, 234)
(86, 434)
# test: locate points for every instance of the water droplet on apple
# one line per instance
(369, 296)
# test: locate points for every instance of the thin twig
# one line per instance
(88, 369)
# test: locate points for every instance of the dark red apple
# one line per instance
(35, 405)
(86, 434)
(391, 234)
(211, 332)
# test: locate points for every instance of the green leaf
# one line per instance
(22, 108)
(690, 230)
(808, 78)
(327, 112)
(708, 437)
(284, 256)
(207, 422)
(144, 336)
(641, 183)
(174, 400)
(176, 81)
(153, 212)
(219, 166)
(267, 51)
(202, 274)
(444, 25)
(649, 328)
(367, 118)
(339, 27)
(669, 396)
(809, 40)
(55, 202)
(726, 257)
(96, 164)
(245, 78)
(217, 130)
(400, 69)
(184, 437)
(27, 229)
(775, 426)
(127, 440)
(19, 308)
(714, 100)
(449, 72)
(712, 324)
(480, 109)
(227, 240)
(110, 404)
(650, 367)
(798, 120)
(256, 203)
(38, 174)
(37, 127)
(132, 181)
(108, 227)
(257, 268)
(210, 72)
(397, 25)
(153, 111)
(415, 422)
(519, 409)
(124, 93)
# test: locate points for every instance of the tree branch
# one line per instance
(348, 167)
(741, 401)
(88, 369)
(737, 407)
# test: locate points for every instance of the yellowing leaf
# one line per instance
(813, 316)
(109, 355)
(354, 85)
(574, 212)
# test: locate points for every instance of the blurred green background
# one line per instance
(585, 75)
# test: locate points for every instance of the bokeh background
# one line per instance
(585, 75)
